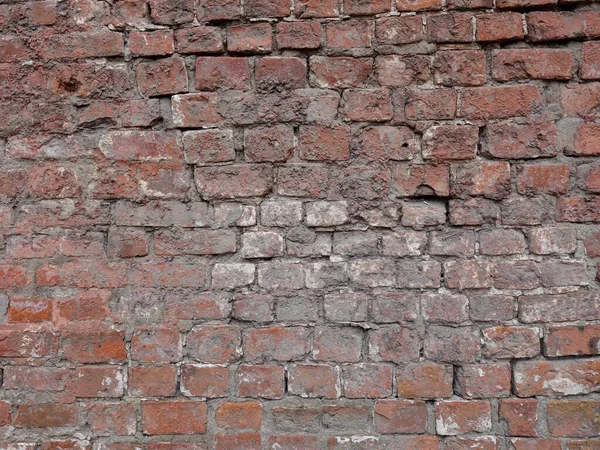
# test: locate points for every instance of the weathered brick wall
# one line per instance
(299, 224)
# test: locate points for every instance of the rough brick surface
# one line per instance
(300, 224)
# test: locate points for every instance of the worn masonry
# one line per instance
(299, 224)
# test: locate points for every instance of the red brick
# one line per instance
(253, 307)
(218, 344)
(573, 418)
(81, 273)
(418, 5)
(372, 105)
(367, 380)
(460, 68)
(518, 4)
(499, 102)
(590, 65)
(90, 304)
(173, 417)
(511, 342)
(221, 73)
(5, 414)
(391, 306)
(520, 415)
(348, 34)
(92, 44)
(209, 10)
(126, 113)
(267, 8)
(586, 140)
(480, 442)
(448, 344)
(239, 415)
(501, 242)
(13, 276)
(581, 100)
(256, 38)
(540, 64)
(509, 140)
(435, 104)
(260, 381)
(153, 43)
(27, 310)
(569, 377)
(448, 308)
(450, 142)
(98, 381)
(399, 30)
(452, 27)
(424, 380)
(276, 343)
(558, 307)
(588, 177)
(208, 146)
(592, 244)
(293, 442)
(299, 35)
(546, 241)
(317, 143)
(420, 179)
(337, 344)
(484, 380)
(543, 179)
(582, 444)
(314, 381)
(199, 40)
(572, 341)
(162, 76)
(578, 209)
(196, 110)
(487, 179)
(109, 419)
(420, 214)
(454, 417)
(551, 25)
(302, 180)
(194, 242)
(153, 381)
(516, 275)
(400, 416)
(155, 345)
(204, 380)
(249, 441)
(394, 344)
(167, 12)
(275, 74)
(339, 72)
(233, 181)
(53, 181)
(535, 444)
(45, 415)
(127, 243)
(499, 27)
(269, 144)
(129, 12)
(365, 8)
(401, 70)
(93, 345)
(317, 8)
(382, 143)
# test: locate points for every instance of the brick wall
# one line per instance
(299, 224)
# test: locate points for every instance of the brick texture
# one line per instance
(299, 224)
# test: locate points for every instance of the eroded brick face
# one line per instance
(299, 225)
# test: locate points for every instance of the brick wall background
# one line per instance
(299, 224)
